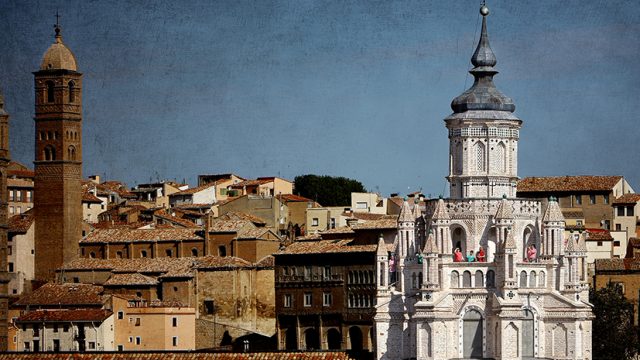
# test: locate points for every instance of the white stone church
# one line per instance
(508, 307)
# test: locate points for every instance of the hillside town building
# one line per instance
(509, 305)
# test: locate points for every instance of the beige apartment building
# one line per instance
(20, 252)
(65, 330)
(19, 188)
(140, 325)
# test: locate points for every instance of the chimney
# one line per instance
(351, 222)
(95, 179)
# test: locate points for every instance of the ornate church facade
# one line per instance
(510, 306)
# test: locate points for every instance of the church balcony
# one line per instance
(459, 275)
(521, 208)
(532, 274)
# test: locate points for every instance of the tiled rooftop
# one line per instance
(617, 264)
(627, 199)
(63, 294)
(567, 183)
(178, 356)
(237, 215)
(326, 246)
(227, 226)
(130, 280)
(217, 262)
(192, 191)
(134, 235)
(20, 224)
(292, 198)
(76, 315)
(385, 223)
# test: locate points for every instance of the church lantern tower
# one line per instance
(483, 133)
(58, 159)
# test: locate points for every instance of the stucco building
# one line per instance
(506, 307)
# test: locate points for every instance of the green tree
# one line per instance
(327, 190)
(614, 336)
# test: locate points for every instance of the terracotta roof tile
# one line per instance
(63, 294)
(121, 235)
(242, 184)
(217, 262)
(627, 199)
(175, 220)
(266, 262)
(617, 264)
(237, 215)
(377, 224)
(227, 226)
(194, 190)
(339, 230)
(76, 315)
(176, 355)
(292, 198)
(567, 183)
(256, 233)
(20, 224)
(599, 235)
(162, 265)
(130, 280)
(326, 246)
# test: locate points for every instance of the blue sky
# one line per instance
(350, 88)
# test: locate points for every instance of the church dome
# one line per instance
(58, 56)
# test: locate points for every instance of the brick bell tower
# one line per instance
(4, 275)
(58, 160)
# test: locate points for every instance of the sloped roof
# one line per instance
(292, 198)
(377, 224)
(121, 235)
(177, 355)
(266, 262)
(63, 294)
(255, 233)
(194, 190)
(627, 199)
(568, 183)
(238, 215)
(617, 264)
(76, 315)
(217, 262)
(161, 265)
(599, 235)
(326, 246)
(227, 226)
(20, 224)
(504, 210)
(133, 279)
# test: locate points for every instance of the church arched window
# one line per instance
(480, 155)
(457, 159)
(71, 153)
(49, 153)
(479, 279)
(455, 279)
(50, 94)
(72, 92)
(523, 279)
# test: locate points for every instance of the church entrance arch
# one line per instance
(355, 337)
(459, 240)
(472, 325)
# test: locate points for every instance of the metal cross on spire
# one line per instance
(57, 25)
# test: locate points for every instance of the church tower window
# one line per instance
(72, 92)
(50, 94)
(49, 153)
(480, 155)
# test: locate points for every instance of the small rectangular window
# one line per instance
(578, 199)
(138, 340)
(11, 195)
(287, 300)
(361, 205)
(174, 322)
(605, 199)
(630, 211)
(618, 227)
(592, 199)
(307, 272)
(327, 272)
(130, 339)
(307, 299)
(120, 315)
(92, 345)
(65, 328)
(55, 328)
(620, 210)
(175, 341)
(616, 243)
(599, 243)
(18, 195)
(137, 323)
(314, 222)
(120, 347)
(327, 299)
(10, 267)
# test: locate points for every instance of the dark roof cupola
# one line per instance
(483, 94)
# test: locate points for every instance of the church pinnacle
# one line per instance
(483, 95)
